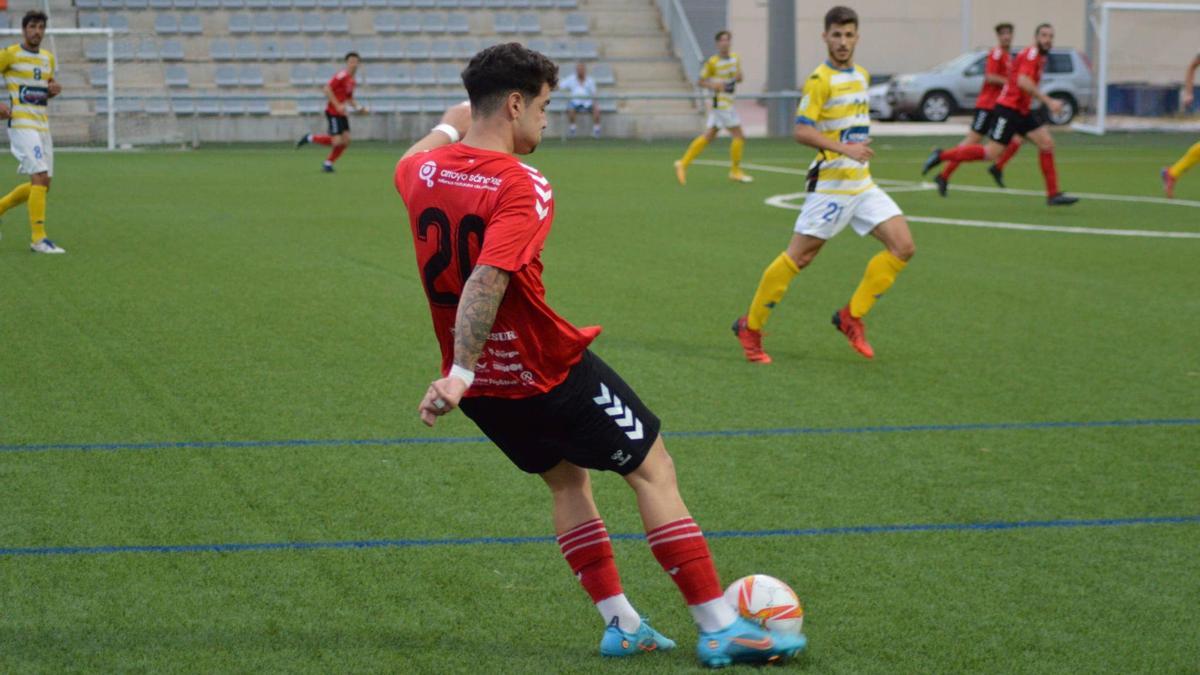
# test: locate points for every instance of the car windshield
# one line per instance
(957, 63)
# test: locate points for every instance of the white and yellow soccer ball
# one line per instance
(768, 602)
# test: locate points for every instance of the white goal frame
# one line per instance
(110, 66)
(1100, 25)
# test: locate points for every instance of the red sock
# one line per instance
(1009, 150)
(321, 139)
(964, 153)
(680, 548)
(951, 167)
(1049, 172)
(335, 153)
(589, 553)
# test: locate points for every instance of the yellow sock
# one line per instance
(881, 273)
(698, 145)
(1189, 159)
(771, 287)
(19, 195)
(735, 154)
(37, 212)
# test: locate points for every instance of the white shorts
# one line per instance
(824, 215)
(723, 119)
(33, 149)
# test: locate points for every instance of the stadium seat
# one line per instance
(184, 4)
(206, 4)
(172, 50)
(408, 22)
(343, 46)
(280, 4)
(519, 4)
(447, 4)
(337, 23)
(95, 51)
(208, 105)
(270, 50)
(312, 23)
(91, 20)
(118, 22)
(424, 4)
(470, 4)
(245, 50)
(164, 24)
(400, 4)
(504, 23)
(130, 105)
(560, 50)
(264, 22)
(176, 76)
(147, 50)
(543, 4)
(376, 4)
(87, 4)
(161, 4)
(232, 4)
(529, 24)
(540, 45)
(183, 106)
(434, 22)
(251, 76)
(220, 50)
(391, 49)
(320, 50)
(577, 24)
(417, 49)
(352, 4)
(384, 23)
(98, 76)
(495, 4)
(111, 4)
(441, 49)
(465, 48)
(603, 73)
(458, 22)
(301, 75)
(328, 4)
(257, 4)
(235, 106)
(324, 73)
(423, 74)
(293, 50)
(288, 22)
(190, 24)
(586, 50)
(449, 73)
(304, 4)
(124, 50)
(158, 106)
(258, 106)
(310, 106)
(566, 4)
(225, 76)
(370, 49)
(240, 23)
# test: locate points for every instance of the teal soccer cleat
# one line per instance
(617, 643)
(746, 642)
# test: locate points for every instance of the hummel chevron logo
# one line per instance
(542, 210)
(545, 195)
(621, 414)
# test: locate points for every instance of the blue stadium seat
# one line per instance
(603, 73)
(442, 49)
(206, 4)
(458, 22)
(172, 50)
(504, 23)
(98, 76)
(91, 20)
(337, 23)
(301, 75)
(164, 24)
(270, 50)
(147, 50)
(232, 4)
(312, 23)
(384, 23)
(287, 22)
(391, 49)
(183, 106)
(408, 22)
(176, 76)
(320, 49)
(577, 24)
(449, 73)
(220, 50)
(245, 50)
(369, 48)
(191, 24)
(417, 50)
(251, 76)
(264, 22)
(304, 4)
(529, 24)
(433, 22)
(158, 106)
(423, 74)
(226, 76)
(240, 23)
(293, 50)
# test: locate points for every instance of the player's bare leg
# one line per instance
(584, 542)
(694, 149)
(1045, 144)
(736, 147)
(595, 120)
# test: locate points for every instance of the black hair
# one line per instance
(721, 34)
(1040, 26)
(840, 15)
(501, 69)
(33, 16)
(1004, 26)
(349, 54)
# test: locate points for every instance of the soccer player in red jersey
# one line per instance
(1014, 116)
(525, 375)
(340, 92)
(995, 76)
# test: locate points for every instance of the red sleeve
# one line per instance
(1029, 64)
(515, 233)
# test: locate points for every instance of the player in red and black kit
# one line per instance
(995, 76)
(1014, 116)
(340, 92)
(525, 375)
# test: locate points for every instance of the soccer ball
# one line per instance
(768, 602)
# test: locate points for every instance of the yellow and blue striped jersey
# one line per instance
(27, 75)
(722, 70)
(835, 103)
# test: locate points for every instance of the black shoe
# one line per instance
(302, 142)
(933, 160)
(1061, 199)
(327, 168)
(997, 174)
(942, 184)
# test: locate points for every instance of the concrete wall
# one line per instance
(910, 35)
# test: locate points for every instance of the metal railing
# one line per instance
(683, 39)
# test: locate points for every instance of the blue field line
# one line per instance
(717, 433)
(480, 541)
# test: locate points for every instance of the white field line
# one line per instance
(919, 185)
(788, 201)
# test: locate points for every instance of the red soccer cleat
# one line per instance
(1168, 182)
(751, 341)
(854, 330)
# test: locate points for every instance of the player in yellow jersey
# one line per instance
(29, 75)
(721, 73)
(833, 117)
(1172, 173)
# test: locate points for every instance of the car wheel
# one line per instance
(936, 106)
(1068, 110)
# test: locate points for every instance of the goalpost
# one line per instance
(114, 89)
(1101, 22)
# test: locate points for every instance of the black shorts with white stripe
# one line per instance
(592, 419)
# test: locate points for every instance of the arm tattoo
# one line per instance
(481, 297)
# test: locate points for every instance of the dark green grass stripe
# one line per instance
(478, 541)
(717, 433)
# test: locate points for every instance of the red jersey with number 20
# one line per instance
(342, 85)
(1029, 63)
(999, 62)
(468, 207)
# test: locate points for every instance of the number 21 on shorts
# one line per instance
(832, 209)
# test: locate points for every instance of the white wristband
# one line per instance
(449, 130)
(462, 374)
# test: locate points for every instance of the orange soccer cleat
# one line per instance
(854, 330)
(1168, 182)
(751, 341)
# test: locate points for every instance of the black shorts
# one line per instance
(593, 419)
(337, 124)
(1010, 122)
(983, 121)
